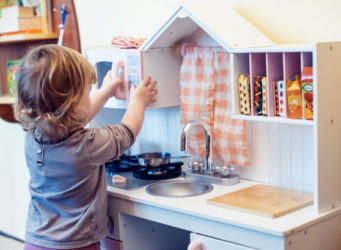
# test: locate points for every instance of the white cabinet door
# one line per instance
(216, 244)
(161, 64)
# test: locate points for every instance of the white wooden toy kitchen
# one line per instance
(297, 154)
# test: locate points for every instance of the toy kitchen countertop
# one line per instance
(136, 201)
(194, 214)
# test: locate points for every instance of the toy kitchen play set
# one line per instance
(287, 196)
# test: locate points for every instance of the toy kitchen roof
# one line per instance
(220, 22)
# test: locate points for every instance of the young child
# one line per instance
(68, 208)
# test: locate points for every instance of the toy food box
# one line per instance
(12, 68)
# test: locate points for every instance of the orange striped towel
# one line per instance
(206, 96)
(127, 42)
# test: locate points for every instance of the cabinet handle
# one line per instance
(195, 245)
(118, 71)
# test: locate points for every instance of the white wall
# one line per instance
(284, 21)
(14, 197)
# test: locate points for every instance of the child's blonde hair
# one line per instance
(51, 82)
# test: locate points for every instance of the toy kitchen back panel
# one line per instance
(281, 154)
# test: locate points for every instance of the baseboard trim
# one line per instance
(11, 236)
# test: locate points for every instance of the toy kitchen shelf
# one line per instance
(26, 37)
(14, 47)
(280, 62)
(7, 100)
(276, 63)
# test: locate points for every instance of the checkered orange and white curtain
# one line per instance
(206, 96)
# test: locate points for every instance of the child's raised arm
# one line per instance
(140, 96)
(108, 89)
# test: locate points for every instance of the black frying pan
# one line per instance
(155, 159)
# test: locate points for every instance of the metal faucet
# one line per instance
(208, 140)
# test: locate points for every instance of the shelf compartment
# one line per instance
(274, 68)
(306, 59)
(240, 66)
(19, 38)
(292, 64)
(257, 68)
(15, 46)
(292, 67)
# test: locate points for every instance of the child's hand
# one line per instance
(114, 87)
(139, 97)
(145, 92)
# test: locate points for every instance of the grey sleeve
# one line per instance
(109, 142)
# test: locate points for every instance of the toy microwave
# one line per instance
(127, 66)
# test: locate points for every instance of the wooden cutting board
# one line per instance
(264, 200)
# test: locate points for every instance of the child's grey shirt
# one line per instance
(68, 187)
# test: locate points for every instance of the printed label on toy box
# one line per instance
(12, 68)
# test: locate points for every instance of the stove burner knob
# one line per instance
(196, 166)
(217, 170)
(225, 171)
(190, 164)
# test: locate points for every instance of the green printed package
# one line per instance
(12, 68)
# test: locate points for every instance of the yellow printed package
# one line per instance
(244, 94)
(294, 95)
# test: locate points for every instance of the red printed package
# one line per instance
(307, 92)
